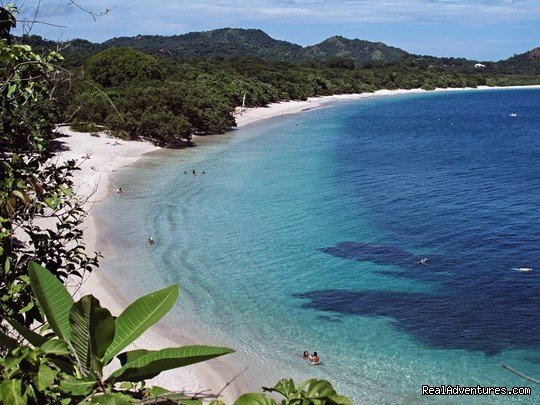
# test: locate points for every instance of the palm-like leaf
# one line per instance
(55, 347)
(138, 317)
(155, 362)
(53, 298)
(35, 339)
(92, 330)
(132, 355)
(78, 386)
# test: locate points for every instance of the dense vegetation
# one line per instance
(39, 216)
(168, 88)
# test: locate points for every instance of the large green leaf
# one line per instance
(59, 353)
(284, 387)
(254, 399)
(35, 339)
(44, 377)
(53, 298)
(317, 388)
(78, 386)
(165, 359)
(92, 330)
(111, 399)
(155, 391)
(56, 347)
(322, 392)
(132, 355)
(11, 392)
(63, 363)
(138, 317)
(127, 357)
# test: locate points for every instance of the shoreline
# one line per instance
(98, 158)
(94, 182)
(252, 115)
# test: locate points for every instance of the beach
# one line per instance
(251, 115)
(98, 157)
(101, 156)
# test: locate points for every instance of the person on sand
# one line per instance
(305, 355)
(119, 191)
(314, 359)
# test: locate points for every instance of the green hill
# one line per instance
(355, 49)
(235, 43)
(223, 43)
(525, 63)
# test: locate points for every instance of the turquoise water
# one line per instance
(305, 230)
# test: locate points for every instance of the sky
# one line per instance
(475, 29)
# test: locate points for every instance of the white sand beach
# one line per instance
(251, 115)
(98, 158)
(101, 156)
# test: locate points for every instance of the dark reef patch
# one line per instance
(386, 255)
(470, 310)
(445, 321)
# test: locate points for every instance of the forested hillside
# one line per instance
(525, 63)
(226, 42)
(356, 50)
(168, 88)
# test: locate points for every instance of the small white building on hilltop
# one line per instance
(479, 66)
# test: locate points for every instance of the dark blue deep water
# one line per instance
(306, 231)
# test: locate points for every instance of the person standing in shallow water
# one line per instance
(314, 359)
(193, 173)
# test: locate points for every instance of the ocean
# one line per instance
(305, 232)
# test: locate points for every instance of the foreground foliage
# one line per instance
(66, 363)
(39, 215)
(314, 391)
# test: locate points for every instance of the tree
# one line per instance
(116, 66)
(40, 217)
